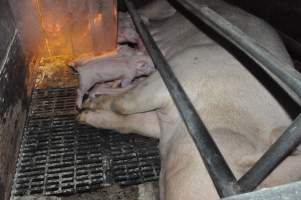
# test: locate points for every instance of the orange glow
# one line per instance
(115, 13)
(78, 28)
(57, 28)
(98, 19)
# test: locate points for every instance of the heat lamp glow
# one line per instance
(77, 28)
(57, 31)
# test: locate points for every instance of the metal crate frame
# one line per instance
(286, 76)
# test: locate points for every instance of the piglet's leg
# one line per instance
(85, 83)
(116, 83)
(146, 124)
(141, 46)
(137, 100)
(83, 61)
(75, 63)
(126, 82)
(96, 101)
(108, 91)
(99, 103)
(79, 99)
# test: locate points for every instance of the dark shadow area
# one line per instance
(283, 15)
(138, 3)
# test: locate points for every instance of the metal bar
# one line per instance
(286, 76)
(291, 191)
(217, 167)
(287, 142)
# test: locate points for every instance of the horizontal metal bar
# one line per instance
(217, 167)
(285, 75)
(287, 142)
(290, 191)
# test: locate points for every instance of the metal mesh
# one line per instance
(60, 101)
(135, 159)
(60, 156)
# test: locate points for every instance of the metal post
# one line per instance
(217, 167)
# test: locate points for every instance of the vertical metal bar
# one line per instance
(217, 167)
(287, 142)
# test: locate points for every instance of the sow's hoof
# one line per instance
(82, 117)
(98, 103)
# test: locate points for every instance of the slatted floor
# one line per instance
(60, 156)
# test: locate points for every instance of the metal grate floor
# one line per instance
(60, 156)
(57, 101)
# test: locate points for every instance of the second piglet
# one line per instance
(112, 68)
(122, 50)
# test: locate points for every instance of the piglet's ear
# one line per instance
(142, 67)
(145, 66)
(141, 64)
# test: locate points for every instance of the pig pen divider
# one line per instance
(286, 76)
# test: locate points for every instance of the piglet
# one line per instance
(128, 34)
(112, 68)
(125, 21)
(127, 31)
(122, 50)
(103, 89)
(112, 88)
(125, 50)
